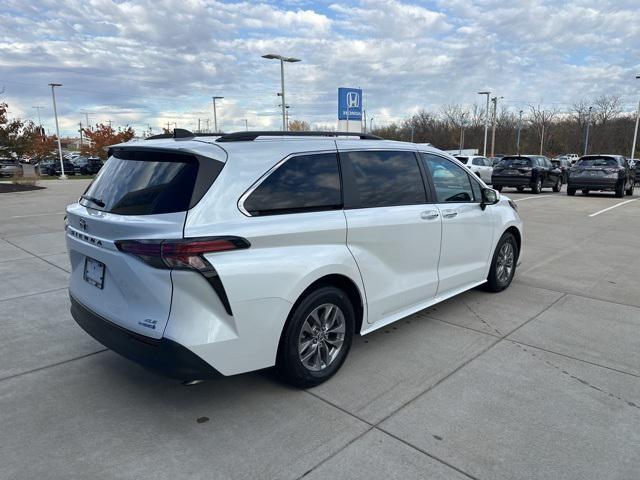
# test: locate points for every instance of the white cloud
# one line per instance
(161, 61)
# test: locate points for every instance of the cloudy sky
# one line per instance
(150, 62)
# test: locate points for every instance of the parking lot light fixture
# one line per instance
(273, 56)
(635, 132)
(486, 121)
(55, 113)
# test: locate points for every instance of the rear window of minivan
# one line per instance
(150, 182)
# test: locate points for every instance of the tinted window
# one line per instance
(144, 183)
(463, 159)
(597, 162)
(515, 162)
(385, 178)
(451, 182)
(303, 183)
(478, 161)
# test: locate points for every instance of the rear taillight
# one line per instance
(611, 170)
(182, 254)
(187, 254)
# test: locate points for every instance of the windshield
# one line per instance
(515, 162)
(597, 162)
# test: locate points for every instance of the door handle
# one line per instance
(449, 213)
(429, 215)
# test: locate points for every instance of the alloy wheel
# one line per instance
(505, 261)
(321, 337)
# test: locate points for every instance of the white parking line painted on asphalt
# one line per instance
(533, 198)
(614, 206)
(38, 215)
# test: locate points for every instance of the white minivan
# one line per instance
(200, 256)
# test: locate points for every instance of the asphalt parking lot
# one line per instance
(539, 381)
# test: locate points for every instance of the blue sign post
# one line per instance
(350, 104)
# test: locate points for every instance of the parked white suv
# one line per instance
(200, 256)
(481, 166)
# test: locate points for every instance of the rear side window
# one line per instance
(303, 183)
(478, 161)
(149, 182)
(463, 159)
(452, 183)
(385, 178)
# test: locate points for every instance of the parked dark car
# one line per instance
(10, 168)
(88, 166)
(47, 166)
(526, 171)
(69, 168)
(601, 173)
(564, 164)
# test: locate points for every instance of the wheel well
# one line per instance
(516, 234)
(347, 286)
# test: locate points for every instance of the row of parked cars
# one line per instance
(589, 173)
(73, 166)
(12, 167)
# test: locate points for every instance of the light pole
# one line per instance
(371, 123)
(272, 56)
(215, 115)
(494, 100)
(635, 132)
(246, 124)
(55, 113)
(586, 136)
(486, 121)
(519, 128)
(461, 133)
(39, 120)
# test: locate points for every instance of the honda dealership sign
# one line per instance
(349, 104)
(349, 109)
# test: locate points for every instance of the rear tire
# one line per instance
(503, 264)
(537, 188)
(571, 191)
(497, 188)
(630, 189)
(520, 189)
(585, 192)
(558, 186)
(620, 190)
(321, 321)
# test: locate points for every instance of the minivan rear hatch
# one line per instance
(140, 194)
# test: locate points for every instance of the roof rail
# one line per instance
(250, 136)
(182, 133)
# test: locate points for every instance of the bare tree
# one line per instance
(540, 120)
(607, 107)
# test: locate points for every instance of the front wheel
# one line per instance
(558, 186)
(316, 338)
(571, 191)
(503, 264)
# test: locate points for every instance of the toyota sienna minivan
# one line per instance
(200, 256)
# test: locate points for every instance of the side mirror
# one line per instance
(489, 197)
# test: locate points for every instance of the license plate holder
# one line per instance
(94, 272)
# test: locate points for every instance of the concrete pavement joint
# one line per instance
(32, 294)
(44, 367)
(37, 256)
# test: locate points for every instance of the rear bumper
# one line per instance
(593, 183)
(512, 181)
(163, 355)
